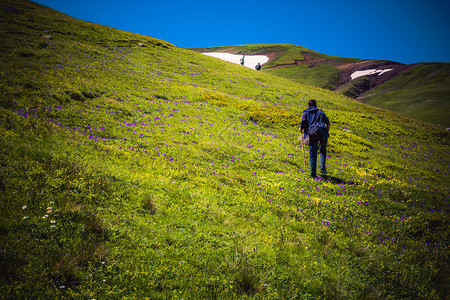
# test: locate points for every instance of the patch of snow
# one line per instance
(250, 61)
(369, 72)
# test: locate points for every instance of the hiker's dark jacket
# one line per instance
(313, 116)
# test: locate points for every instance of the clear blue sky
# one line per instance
(406, 31)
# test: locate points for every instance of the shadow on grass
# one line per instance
(335, 180)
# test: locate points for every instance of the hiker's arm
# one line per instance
(328, 123)
(303, 123)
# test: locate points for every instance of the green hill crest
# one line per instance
(130, 168)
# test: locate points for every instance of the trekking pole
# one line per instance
(303, 150)
(304, 161)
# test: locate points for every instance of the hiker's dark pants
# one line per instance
(320, 145)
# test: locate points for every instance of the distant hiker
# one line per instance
(10, 8)
(242, 60)
(258, 67)
(316, 127)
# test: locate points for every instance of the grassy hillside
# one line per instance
(324, 76)
(131, 168)
(422, 92)
(283, 58)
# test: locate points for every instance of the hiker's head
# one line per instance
(312, 103)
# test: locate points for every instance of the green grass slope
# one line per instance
(284, 60)
(134, 169)
(422, 92)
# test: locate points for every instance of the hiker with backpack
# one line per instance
(316, 128)
(258, 67)
(242, 60)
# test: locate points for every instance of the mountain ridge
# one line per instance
(335, 73)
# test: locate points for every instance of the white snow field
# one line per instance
(250, 61)
(368, 72)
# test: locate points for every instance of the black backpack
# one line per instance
(316, 132)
